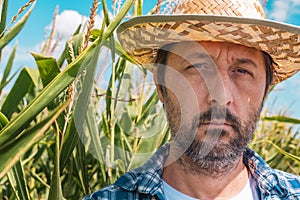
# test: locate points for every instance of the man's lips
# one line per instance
(215, 124)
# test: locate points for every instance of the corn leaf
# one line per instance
(77, 120)
(55, 192)
(3, 120)
(81, 107)
(27, 79)
(54, 88)
(47, 66)
(3, 15)
(64, 54)
(283, 119)
(152, 137)
(7, 37)
(11, 152)
(118, 18)
(17, 179)
(69, 143)
(74, 47)
(280, 150)
(7, 69)
(82, 168)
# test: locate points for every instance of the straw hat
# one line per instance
(237, 21)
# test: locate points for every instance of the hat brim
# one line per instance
(142, 36)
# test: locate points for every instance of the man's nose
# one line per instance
(220, 89)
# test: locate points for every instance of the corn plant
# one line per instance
(65, 132)
(55, 142)
(277, 141)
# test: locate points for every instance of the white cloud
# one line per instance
(284, 10)
(296, 2)
(65, 25)
(69, 20)
(280, 10)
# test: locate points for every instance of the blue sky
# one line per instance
(285, 97)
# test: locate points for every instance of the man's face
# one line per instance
(213, 98)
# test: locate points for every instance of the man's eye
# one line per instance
(243, 71)
(197, 65)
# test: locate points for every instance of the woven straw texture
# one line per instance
(237, 21)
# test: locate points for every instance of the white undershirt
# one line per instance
(248, 193)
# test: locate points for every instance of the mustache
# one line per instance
(219, 113)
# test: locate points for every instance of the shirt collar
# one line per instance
(148, 178)
(265, 177)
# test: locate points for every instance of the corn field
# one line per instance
(65, 132)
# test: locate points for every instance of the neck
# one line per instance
(204, 186)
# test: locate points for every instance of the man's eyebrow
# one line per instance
(199, 55)
(246, 61)
(195, 55)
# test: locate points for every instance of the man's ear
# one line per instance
(157, 85)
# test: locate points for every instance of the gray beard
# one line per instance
(219, 160)
(212, 156)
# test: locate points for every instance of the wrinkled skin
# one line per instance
(213, 94)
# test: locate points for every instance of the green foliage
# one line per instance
(278, 143)
(63, 134)
(15, 30)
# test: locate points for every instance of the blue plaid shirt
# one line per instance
(145, 182)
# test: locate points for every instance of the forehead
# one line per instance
(192, 49)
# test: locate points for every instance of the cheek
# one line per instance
(256, 94)
(185, 93)
(251, 102)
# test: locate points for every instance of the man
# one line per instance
(215, 61)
